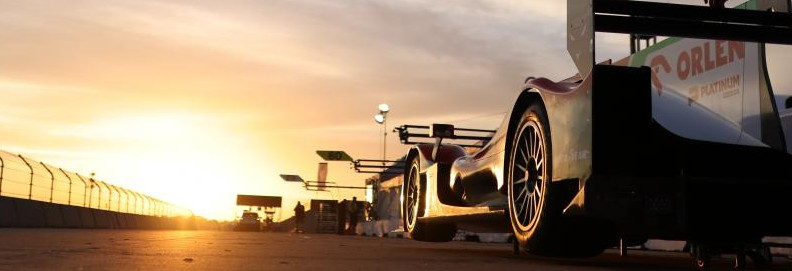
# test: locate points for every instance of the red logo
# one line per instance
(658, 62)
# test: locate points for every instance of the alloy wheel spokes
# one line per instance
(412, 197)
(528, 175)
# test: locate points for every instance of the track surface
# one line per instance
(51, 249)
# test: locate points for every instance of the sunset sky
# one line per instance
(194, 102)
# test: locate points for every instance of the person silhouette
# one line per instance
(299, 215)
(342, 216)
(353, 215)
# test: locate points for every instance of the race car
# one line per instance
(248, 222)
(679, 141)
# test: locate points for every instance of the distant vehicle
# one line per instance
(680, 141)
(248, 222)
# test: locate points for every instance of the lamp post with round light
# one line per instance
(381, 118)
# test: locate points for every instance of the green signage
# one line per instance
(334, 156)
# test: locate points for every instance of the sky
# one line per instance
(194, 102)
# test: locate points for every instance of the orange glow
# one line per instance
(195, 102)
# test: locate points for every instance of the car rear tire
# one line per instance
(413, 207)
(534, 211)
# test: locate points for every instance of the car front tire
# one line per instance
(414, 205)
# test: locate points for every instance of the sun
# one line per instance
(190, 159)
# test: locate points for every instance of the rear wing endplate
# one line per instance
(585, 17)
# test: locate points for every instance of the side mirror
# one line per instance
(789, 102)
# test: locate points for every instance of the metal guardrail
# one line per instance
(21, 177)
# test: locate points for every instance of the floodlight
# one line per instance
(383, 108)
(379, 118)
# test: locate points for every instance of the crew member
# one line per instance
(299, 215)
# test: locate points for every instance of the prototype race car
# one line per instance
(248, 222)
(679, 141)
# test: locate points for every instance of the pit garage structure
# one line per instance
(383, 192)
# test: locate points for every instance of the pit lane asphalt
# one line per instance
(73, 249)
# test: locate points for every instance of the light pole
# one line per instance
(381, 118)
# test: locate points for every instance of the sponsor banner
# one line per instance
(321, 177)
(706, 89)
(710, 73)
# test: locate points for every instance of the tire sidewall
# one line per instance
(413, 165)
(528, 238)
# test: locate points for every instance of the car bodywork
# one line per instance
(635, 146)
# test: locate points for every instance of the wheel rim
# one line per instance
(412, 197)
(528, 174)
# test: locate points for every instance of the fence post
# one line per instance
(156, 207)
(99, 200)
(123, 190)
(2, 168)
(30, 191)
(118, 193)
(110, 200)
(134, 206)
(86, 199)
(150, 205)
(120, 190)
(52, 179)
(128, 200)
(158, 210)
(144, 210)
(138, 200)
(68, 201)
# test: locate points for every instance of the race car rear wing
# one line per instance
(378, 166)
(585, 17)
(474, 138)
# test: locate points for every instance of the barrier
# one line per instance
(7, 212)
(132, 221)
(30, 190)
(105, 219)
(29, 213)
(52, 215)
(86, 217)
(122, 221)
(144, 222)
(33, 214)
(71, 217)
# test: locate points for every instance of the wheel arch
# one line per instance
(527, 98)
(445, 154)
